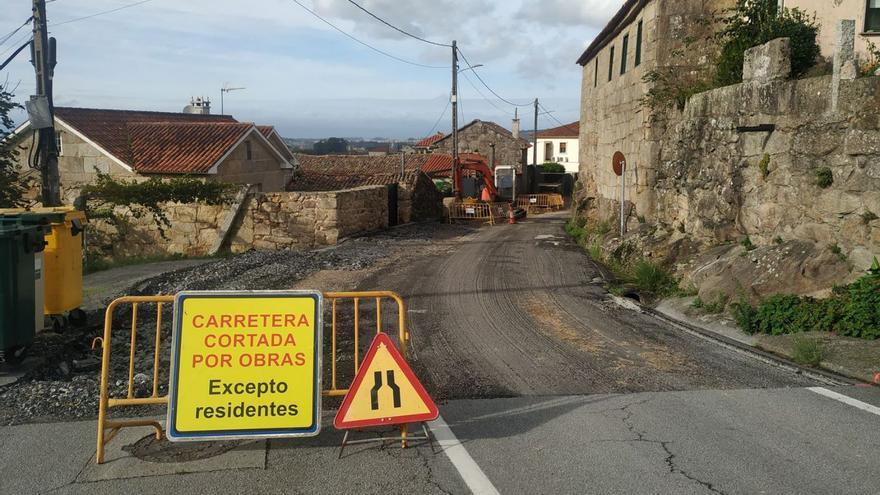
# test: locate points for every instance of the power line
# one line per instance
(14, 54)
(550, 114)
(16, 42)
(482, 95)
(392, 26)
(431, 132)
(96, 14)
(10, 35)
(325, 21)
(487, 86)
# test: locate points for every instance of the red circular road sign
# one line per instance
(618, 163)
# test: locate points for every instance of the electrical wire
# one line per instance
(96, 14)
(487, 86)
(10, 35)
(325, 21)
(15, 43)
(443, 114)
(551, 115)
(482, 95)
(392, 26)
(14, 54)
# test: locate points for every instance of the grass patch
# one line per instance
(714, 307)
(631, 269)
(807, 352)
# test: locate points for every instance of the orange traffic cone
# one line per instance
(511, 218)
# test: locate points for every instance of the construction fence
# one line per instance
(347, 317)
(540, 203)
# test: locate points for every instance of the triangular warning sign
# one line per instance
(384, 392)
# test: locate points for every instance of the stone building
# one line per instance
(501, 146)
(829, 13)
(643, 36)
(131, 144)
(412, 195)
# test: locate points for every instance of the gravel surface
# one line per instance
(64, 385)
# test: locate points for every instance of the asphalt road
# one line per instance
(521, 311)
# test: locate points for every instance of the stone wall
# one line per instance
(264, 221)
(479, 136)
(743, 160)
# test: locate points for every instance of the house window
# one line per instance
(58, 142)
(623, 54)
(548, 151)
(248, 151)
(611, 63)
(872, 16)
(596, 73)
(639, 44)
(562, 147)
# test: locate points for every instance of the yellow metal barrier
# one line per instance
(540, 202)
(471, 211)
(108, 429)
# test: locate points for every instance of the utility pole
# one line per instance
(43, 60)
(455, 189)
(535, 137)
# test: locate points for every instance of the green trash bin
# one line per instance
(20, 248)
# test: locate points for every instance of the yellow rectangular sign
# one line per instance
(245, 365)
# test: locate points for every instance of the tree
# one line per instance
(331, 146)
(13, 185)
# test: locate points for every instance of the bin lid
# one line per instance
(53, 215)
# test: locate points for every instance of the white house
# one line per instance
(560, 145)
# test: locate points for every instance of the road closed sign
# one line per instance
(245, 365)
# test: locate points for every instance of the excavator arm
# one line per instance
(480, 166)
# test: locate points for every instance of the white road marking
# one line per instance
(864, 406)
(470, 472)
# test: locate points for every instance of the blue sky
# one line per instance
(301, 75)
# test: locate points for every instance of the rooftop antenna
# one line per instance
(226, 89)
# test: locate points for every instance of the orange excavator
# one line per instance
(475, 163)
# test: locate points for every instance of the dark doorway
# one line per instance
(392, 205)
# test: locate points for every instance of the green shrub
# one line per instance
(852, 311)
(747, 244)
(764, 166)
(754, 22)
(824, 177)
(807, 352)
(552, 168)
(745, 315)
(778, 240)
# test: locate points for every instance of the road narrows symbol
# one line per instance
(377, 385)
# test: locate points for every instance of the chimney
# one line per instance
(199, 106)
(515, 127)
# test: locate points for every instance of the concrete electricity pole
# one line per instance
(535, 137)
(455, 190)
(43, 60)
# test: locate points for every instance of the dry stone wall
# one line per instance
(265, 221)
(745, 160)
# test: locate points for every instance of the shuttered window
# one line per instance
(639, 44)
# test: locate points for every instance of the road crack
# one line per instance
(670, 459)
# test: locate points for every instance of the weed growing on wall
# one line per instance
(824, 177)
(148, 197)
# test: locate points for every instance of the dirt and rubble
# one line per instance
(64, 384)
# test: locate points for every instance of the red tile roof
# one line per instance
(182, 147)
(430, 140)
(572, 130)
(335, 172)
(161, 142)
(108, 128)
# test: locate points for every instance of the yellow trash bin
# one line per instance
(62, 262)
